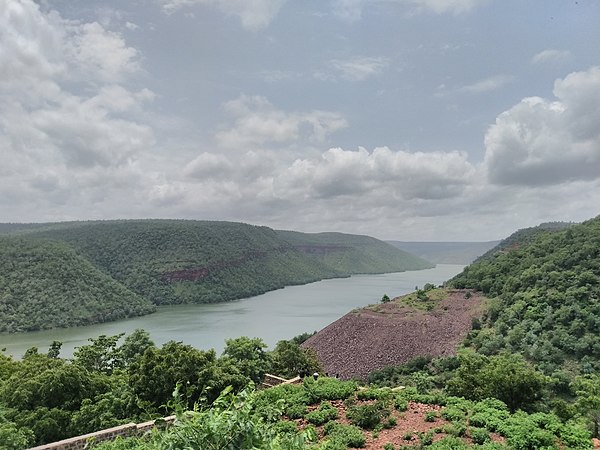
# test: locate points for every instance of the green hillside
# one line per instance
(180, 261)
(523, 237)
(446, 252)
(46, 284)
(545, 299)
(354, 254)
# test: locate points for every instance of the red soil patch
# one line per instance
(409, 424)
(390, 334)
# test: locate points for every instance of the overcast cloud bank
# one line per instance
(79, 140)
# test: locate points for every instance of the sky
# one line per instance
(442, 120)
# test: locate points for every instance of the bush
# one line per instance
(328, 389)
(295, 411)
(388, 446)
(430, 416)
(480, 435)
(449, 443)
(453, 414)
(368, 416)
(401, 404)
(323, 414)
(374, 394)
(348, 435)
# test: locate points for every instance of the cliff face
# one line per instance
(389, 334)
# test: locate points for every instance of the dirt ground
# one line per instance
(409, 423)
(388, 334)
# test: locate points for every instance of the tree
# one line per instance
(135, 345)
(385, 298)
(289, 360)
(249, 356)
(101, 355)
(155, 374)
(587, 389)
(506, 377)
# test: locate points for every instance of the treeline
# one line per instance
(159, 262)
(44, 398)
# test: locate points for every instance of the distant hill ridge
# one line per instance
(157, 262)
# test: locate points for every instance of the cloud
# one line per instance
(351, 10)
(68, 128)
(258, 123)
(380, 173)
(550, 56)
(543, 142)
(254, 14)
(488, 84)
(359, 68)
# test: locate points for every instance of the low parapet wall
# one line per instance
(84, 441)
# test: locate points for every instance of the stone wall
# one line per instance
(127, 430)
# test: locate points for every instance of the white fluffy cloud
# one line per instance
(542, 142)
(254, 14)
(258, 123)
(378, 174)
(352, 9)
(66, 125)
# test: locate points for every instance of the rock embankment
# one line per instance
(389, 334)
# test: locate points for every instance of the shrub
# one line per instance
(368, 416)
(480, 435)
(323, 414)
(449, 443)
(390, 423)
(348, 435)
(401, 404)
(295, 411)
(374, 394)
(453, 414)
(388, 446)
(328, 389)
(430, 416)
(426, 439)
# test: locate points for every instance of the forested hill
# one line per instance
(446, 252)
(545, 299)
(353, 253)
(181, 261)
(46, 284)
(522, 237)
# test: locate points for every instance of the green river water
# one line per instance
(276, 315)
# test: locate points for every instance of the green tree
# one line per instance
(249, 356)
(102, 355)
(506, 377)
(290, 360)
(135, 345)
(587, 389)
(154, 375)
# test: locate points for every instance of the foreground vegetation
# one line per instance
(68, 274)
(44, 398)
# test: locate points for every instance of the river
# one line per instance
(273, 316)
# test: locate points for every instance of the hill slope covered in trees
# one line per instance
(46, 284)
(545, 299)
(179, 261)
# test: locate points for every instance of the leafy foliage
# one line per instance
(77, 273)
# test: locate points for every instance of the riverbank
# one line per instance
(273, 316)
